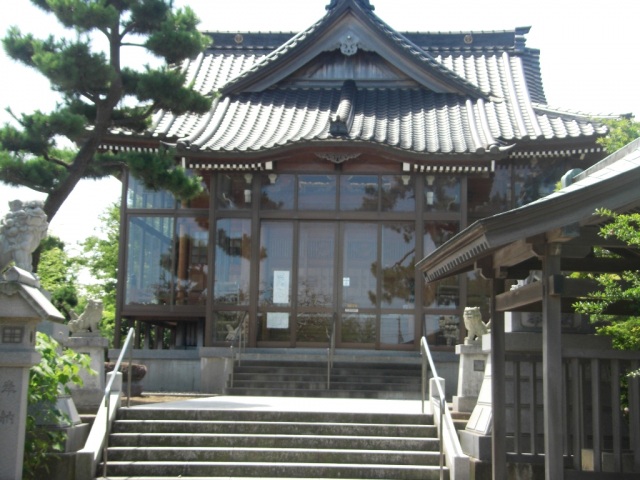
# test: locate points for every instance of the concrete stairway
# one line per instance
(309, 379)
(182, 443)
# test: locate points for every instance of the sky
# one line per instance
(589, 61)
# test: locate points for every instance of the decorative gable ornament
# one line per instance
(337, 158)
(349, 44)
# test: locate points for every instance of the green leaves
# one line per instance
(100, 94)
(47, 380)
(621, 132)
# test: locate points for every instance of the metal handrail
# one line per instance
(127, 347)
(446, 421)
(242, 343)
(331, 351)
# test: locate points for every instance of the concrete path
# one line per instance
(294, 404)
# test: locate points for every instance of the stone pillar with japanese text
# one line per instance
(23, 307)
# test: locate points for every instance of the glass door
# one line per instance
(358, 284)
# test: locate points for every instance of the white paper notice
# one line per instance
(278, 320)
(281, 287)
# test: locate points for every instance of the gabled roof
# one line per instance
(351, 25)
(612, 184)
(350, 80)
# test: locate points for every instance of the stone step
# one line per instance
(182, 414)
(183, 443)
(296, 376)
(270, 441)
(270, 470)
(283, 428)
(336, 384)
(280, 455)
(307, 392)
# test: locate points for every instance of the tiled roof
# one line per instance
(412, 119)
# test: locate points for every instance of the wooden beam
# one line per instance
(552, 367)
(498, 386)
(520, 297)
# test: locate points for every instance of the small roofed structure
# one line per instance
(583, 424)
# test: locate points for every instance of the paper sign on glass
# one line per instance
(281, 287)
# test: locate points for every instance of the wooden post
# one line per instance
(498, 389)
(552, 366)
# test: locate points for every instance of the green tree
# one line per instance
(615, 288)
(100, 94)
(47, 380)
(101, 259)
(621, 131)
(58, 275)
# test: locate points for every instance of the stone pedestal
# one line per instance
(23, 307)
(88, 396)
(470, 375)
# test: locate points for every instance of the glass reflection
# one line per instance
(191, 260)
(358, 328)
(315, 264)
(359, 281)
(276, 250)
(442, 329)
(397, 329)
(274, 327)
(277, 192)
(398, 193)
(398, 271)
(313, 327)
(228, 326)
(233, 191)
(149, 261)
(359, 192)
(442, 193)
(317, 192)
(140, 196)
(233, 260)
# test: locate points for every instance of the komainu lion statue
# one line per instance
(474, 324)
(21, 231)
(88, 320)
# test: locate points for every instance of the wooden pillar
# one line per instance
(552, 366)
(498, 388)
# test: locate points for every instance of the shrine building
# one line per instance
(332, 161)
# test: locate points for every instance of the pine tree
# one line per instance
(99, 94)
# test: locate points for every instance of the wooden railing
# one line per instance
(601, 402)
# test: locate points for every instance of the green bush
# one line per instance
(48, 379)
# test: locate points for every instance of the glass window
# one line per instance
(359, 192)
(313, 327)
(442, 294)
(233, 191)
(442, 329)
(149, 261)
(274, 327)
(358, 328)
(276, 250)
(230, 325)
(277, 192)
(398, 260)
(191, 260)
(442, 193)
(397, 329)
(359, 280)
(316, 192)
(141, 196)
(536, 179)
(315, 264)
(436, 233)
(489, 195)
(201, 200)
(233, 261)
(398, 193)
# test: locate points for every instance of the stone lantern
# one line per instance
(22, 307)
